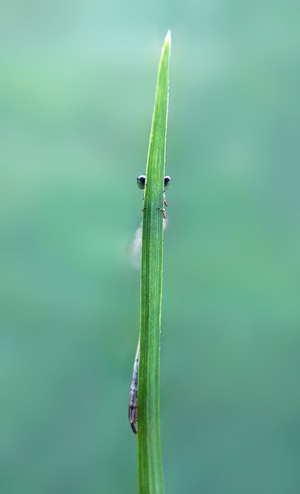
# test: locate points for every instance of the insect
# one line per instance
(141, 182)
(133, 394)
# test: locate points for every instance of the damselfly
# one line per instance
(133, 394)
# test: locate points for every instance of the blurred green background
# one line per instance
(76, 97)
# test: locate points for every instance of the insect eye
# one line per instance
(141, 181)
(167, 181)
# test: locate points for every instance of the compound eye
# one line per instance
(141, 181)
(167, 181)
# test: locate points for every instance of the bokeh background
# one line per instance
(76, 93)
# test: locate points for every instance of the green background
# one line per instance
(76, 98)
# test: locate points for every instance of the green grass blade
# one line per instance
(150, 470)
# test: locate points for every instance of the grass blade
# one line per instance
(150, 471)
